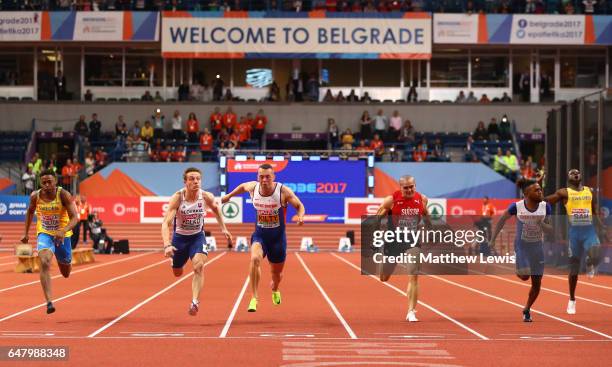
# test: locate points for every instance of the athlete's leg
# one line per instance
(574, 269)
(63, 254)
(46, 256)
(255, 267)
(412, 291)
(536, 283)
(277, 274)
(197, 282)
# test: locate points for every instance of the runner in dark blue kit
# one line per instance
(269, 239)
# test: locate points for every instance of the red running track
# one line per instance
(132, 310)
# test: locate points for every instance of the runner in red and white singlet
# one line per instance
(408, 208)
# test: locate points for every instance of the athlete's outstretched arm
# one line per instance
(385, 207)
(559, 195)
(172, 208)
(29, 216)
(241, 189)
(292, 199)
(209, 199)
(67, 202)
(499, 227)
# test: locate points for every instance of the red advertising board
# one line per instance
(116, 209)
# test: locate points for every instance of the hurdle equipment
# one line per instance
(241, 244)
(211, 244)
(344, 245)
(307, 245)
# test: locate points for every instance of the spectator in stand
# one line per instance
(505, 131)
(218, 85)
(259, 126)
(196, 91)
(506, 98)
(223, 136)
(274, 92)
(183, 92)
(471, 98)
(88, 96)
(67, 174)
(481, 132)
(493, 129)
(366, 98)
(147, 97)
(352, 97)
(118, 126)
(512, 166)
(484, 99)
(216, 122)
(527, 170)
(158, 124)
(229, 120)
(35, 164)
(340, 97)
(365, 125)
(347, 140)
(329, 97)
(60, 86)
(95, 128)
(28, 180)
(395, 125)
(146, 133)
(362, 148)
(80, 128)
(158, 98)
(90, 164)
(84, 210)
(470, 154)
(234, 137)
(177, 126)
(312, 87)
(333, 133)
(164, 154)
(136, 129)
(179, 154)
(243, 129)
(438, 150)
(499, 165)
(100, 159)
(228, 96)
(589, 6)
(407, 133)
(381, 123)
(420, 153)
(206, 145)
(412, 93)
(193, 128)
(154, 150)
(460, 98)
(377, 146)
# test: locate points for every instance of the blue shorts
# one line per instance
(274, 247)
(529, 256)
(187, 246)
(63, 251)
(581, 239)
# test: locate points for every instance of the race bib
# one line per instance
(268, 219)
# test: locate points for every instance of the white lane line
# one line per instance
(329, 301)
(232, 314)
(440, 313)
(77, 271)
(551, 290)
(580, 282)
(125, 314)
(85, 289)
(520, 306)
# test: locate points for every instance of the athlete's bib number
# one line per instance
(268, 219)
(580, 216)
(50, 222)
(531, 233)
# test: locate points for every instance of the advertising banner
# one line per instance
(116, 209)
(13, 208)
(320, 35)
(20, 26)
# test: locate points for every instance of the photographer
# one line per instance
(102, 243)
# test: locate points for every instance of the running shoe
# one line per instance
(252, 305)
(571, 307)
(50, 307)
(527, 316)
(194, 308)
(411, 316)
(590, 271)
(276, 298)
